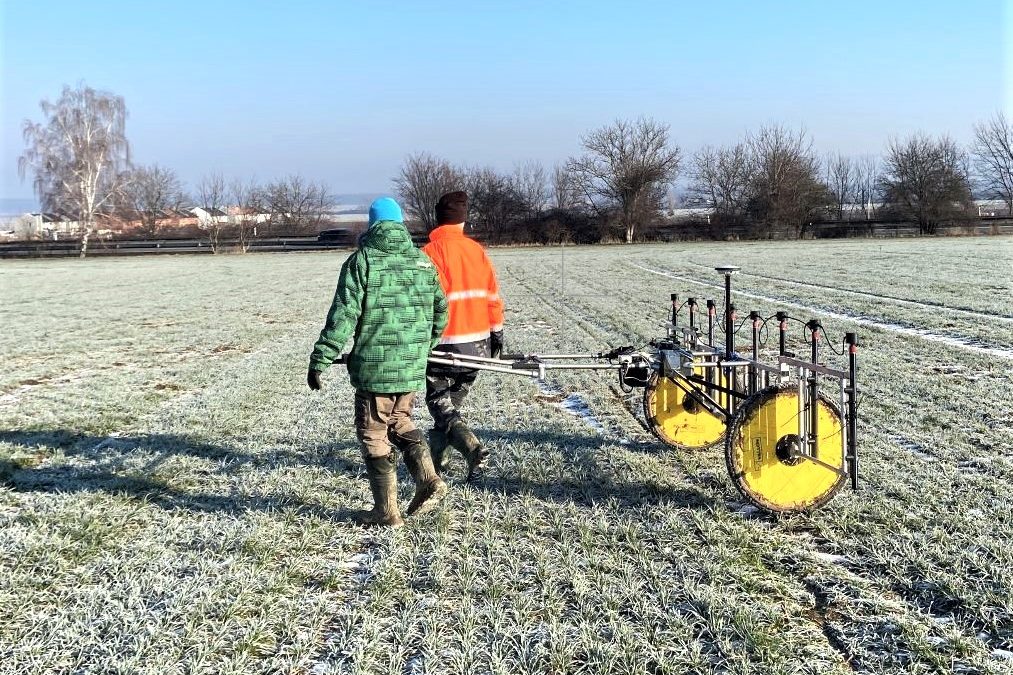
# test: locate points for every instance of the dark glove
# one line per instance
(313, 380)
(496, 344)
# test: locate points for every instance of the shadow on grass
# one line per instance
(588, 478)
(102, 470)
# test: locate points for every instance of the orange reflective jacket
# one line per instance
(469, 281)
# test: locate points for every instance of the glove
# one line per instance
(313, 380)
(496, 344)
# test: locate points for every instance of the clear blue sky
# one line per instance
(342, 91)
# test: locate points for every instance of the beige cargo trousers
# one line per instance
(378, 414)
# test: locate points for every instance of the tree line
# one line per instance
(771, 183)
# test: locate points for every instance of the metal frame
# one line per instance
(683, 352)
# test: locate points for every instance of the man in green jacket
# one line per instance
(389, 295)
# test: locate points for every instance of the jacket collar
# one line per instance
(447, 232)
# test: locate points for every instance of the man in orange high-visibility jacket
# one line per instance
(474, 326)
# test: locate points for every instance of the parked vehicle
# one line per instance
(337, 235)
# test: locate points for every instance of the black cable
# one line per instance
(805, 326)
(721, 323)
(764, 331)
(826, 338)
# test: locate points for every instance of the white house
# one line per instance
(209, 216)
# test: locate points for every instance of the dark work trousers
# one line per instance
(447, 386)
(445, 393)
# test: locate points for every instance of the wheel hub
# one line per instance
(689, 404)
(789, 449)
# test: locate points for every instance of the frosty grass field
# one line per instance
(174, 499)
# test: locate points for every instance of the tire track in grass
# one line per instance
(976, 314)
(961, 343)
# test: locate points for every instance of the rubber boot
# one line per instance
(475, 454)
(382, 475)
(429, 487)
(439, 450)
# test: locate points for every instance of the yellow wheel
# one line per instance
(762, 451)
(676, 418)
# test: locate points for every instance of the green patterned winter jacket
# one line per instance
(390, 296)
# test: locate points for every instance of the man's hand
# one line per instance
(496, 344)
(313, 380)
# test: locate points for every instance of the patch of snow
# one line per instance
(831, 557)
(574, 405)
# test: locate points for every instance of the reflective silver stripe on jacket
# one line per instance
(468, 337)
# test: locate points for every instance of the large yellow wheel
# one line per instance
(762, 451)
(676, 418)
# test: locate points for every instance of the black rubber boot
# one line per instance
(475, 454)
(440, 450)
(429, 487)
(382, 475)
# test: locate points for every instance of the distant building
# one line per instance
(49, 225)
(207, 216)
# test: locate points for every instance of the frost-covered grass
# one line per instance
(173, 499)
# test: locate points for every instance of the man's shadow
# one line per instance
(102, 467)
(586, 477)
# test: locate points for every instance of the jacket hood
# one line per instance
(387, 236)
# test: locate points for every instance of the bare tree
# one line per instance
(627, 167)
(565, 192)
(530, 184)
(494, 202)
(27, 227)
(149, 192)
(926, 180)
(248, 200)
(841, 178)
(296, 204)
(993, 158)
(211, 195)
(786, 190)
(77, 156)
(423, 179)
(721, 178)
(867, 180)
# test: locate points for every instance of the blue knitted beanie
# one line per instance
(384, 208)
